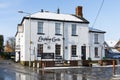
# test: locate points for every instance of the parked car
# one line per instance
(116, 57)
(113, 56)
(12, 55)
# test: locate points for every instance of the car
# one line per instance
(116, 57)
(12, 55)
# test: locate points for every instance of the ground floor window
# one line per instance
(57, 49)
(73, 50)
(96, 51)
(39, 49)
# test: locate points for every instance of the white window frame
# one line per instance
(73, 50)
(96, 50)
(57, 28)
(57, 50)
(39, 49)
(96, 38)
(40, 27)
(74, 29)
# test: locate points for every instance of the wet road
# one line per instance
(78, 74)
(12, 71)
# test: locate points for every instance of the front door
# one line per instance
(83, 52)
(19, 56)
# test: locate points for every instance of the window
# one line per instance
(57, 28)
(96, 52)
(20, 28)
(39, 49)
(96, 38)
(73, 29)
(57, 49)
(40, 27)
(73, 50)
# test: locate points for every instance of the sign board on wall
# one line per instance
(49, 39)
(47, 56)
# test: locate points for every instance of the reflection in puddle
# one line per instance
(24, 76)
(45, 75)
(20, 76)
(70, 74)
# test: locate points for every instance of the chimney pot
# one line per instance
(42, 10)
(79, 11)
(58, 11)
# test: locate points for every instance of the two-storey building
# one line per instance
(96, 44)
(53, 37)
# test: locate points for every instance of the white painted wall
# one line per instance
(83, 38)
(79, 40)
(17, 41)
(49, 31)
(100, 46)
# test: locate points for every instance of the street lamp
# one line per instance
(30, 34)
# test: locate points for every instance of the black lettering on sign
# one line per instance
(54, 39)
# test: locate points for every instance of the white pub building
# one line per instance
(50, 38)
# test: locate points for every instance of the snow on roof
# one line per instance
(116, 51)
(111, 43)
(55, 16)
(95, 30)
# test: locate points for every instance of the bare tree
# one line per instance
(11, 41)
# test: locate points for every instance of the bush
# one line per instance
(89, 58)
(104, 58)
(5, 55)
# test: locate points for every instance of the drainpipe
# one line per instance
(63, 43)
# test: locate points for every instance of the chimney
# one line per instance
(79, 11)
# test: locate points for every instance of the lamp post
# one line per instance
(30, 42)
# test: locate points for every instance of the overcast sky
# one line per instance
(108, 19)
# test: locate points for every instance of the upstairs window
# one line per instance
(96, 39)
(73, 29)
(40, 27)
(57, 28)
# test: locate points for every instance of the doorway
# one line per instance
(83, 52)
(19, 56)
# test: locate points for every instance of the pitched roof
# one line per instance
(111, 43)
(96, 30)
(57, 17)
(117, 44)
(115, 51)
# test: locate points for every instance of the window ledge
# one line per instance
(74, 56)
(41, 33)
(38, 55)
(58, 34)
(74, 35)
(58, 57)
(96, 42)
(97, 56)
